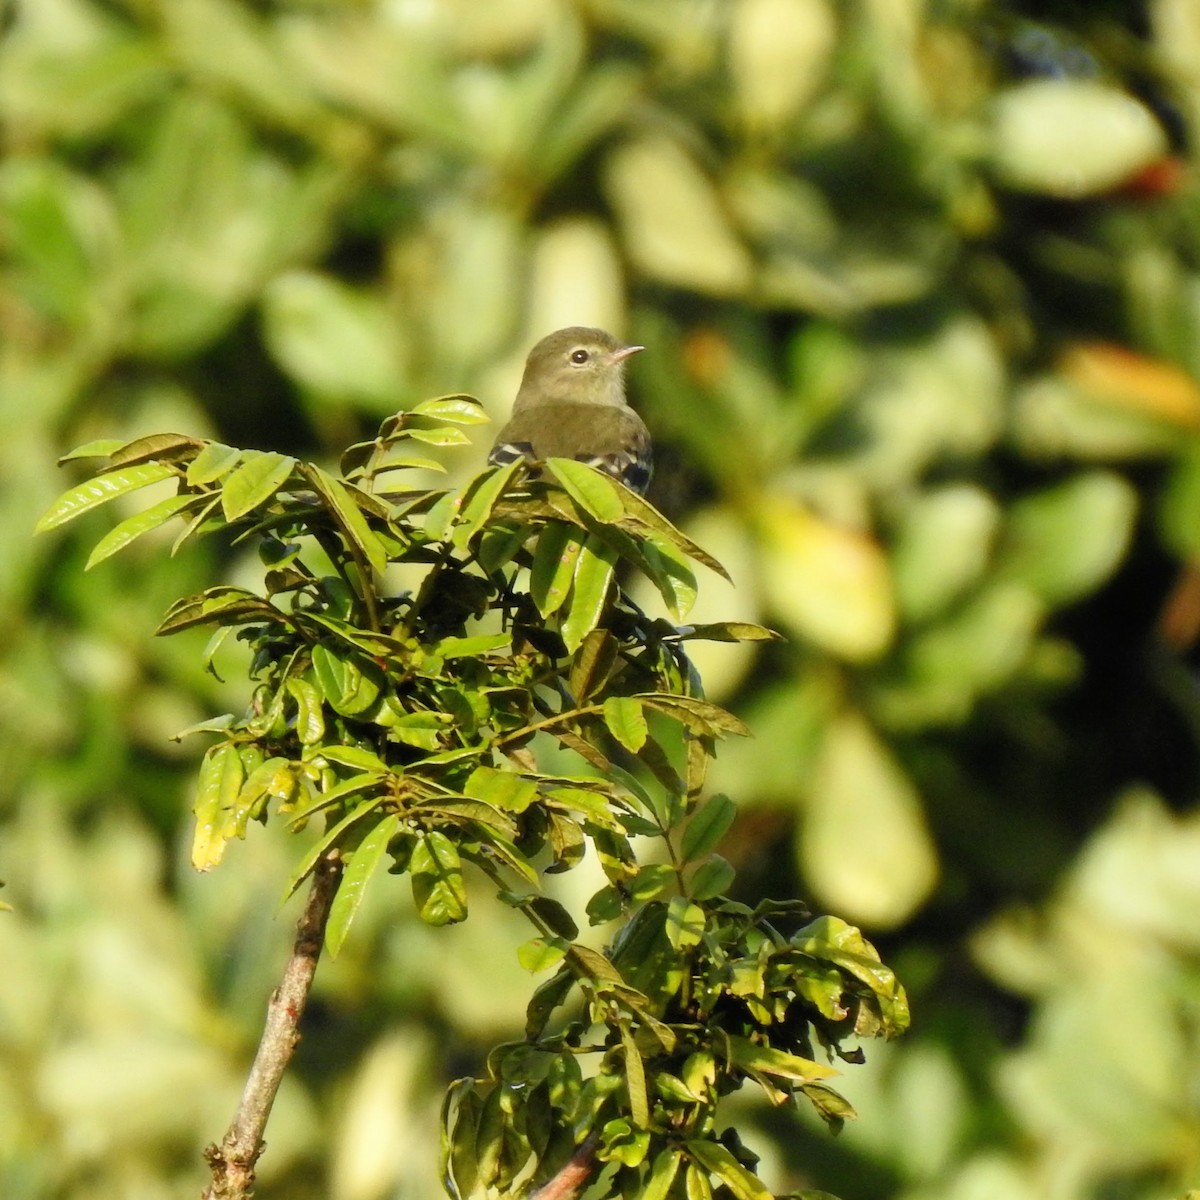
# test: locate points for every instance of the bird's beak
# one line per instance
(619, 356)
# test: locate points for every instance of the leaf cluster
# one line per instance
(452, 682)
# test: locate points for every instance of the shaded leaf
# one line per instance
(708, 825)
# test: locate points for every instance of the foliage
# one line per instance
(410, 723)
(918, 288)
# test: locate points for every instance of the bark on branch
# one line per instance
(233, 1162)
(573, 1176)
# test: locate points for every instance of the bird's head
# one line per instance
(576, 365)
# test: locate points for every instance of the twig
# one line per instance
(233, 1162)
(573, 1176)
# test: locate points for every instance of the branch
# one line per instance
(573, 1176)
(233, 1162)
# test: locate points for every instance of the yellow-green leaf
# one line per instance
(99, 491)
(626, 721)
(592, 490)
(259, 477)
(593, 578)
(364, 861)
(133, 527)
(438, 887)
(349, 516)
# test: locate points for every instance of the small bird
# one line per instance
(571, 404)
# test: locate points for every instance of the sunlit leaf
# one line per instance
(439, 890)
(212, 463)
(349, 516)
(554, 559)
(133, 527)
(364, 861)
(716, 1158)
(539, 955)
(593, 491)
(252, 484)
(594, 571)
(100, 490)
(626, 721)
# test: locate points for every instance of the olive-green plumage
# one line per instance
(571, 404)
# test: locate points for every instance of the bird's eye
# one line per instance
(579, 356)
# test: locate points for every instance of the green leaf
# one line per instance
(538, 954)
(591, 964)
(651, 881)
(99, 491)
(594, 571)
(505, 790)
(364, 861)
(553, 569)
(553, 916)
(158, 447)
(451, 648)
(626, 721)
(592, 490)
(832, 1107)
(685, 923)
(477, 502)
(668, 569)
(259, 477)
(712, 878)
(438, 888)
(752, 1057)
(729, 631)
(349, 517)
(212, 463)
(708, 825)
(357, 758)
(133, 527)
(459, 407)
(635, 1080)
(459, 1120)
(593, 662)
(662, 1175)
(99, 448)
(399, 459)
(643, 519)
(546, 998)
(340, 675)
(310, 719)
(696, 1185)
(441, 435)
(698, 716)
(340, 792)
(222, 605)
(719, 1160)
(331, 839)
(221, 778)
(595, 805)
(1064, 541)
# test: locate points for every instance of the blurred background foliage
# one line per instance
(920, 283)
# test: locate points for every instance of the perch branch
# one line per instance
(233, 1162)
(573, 1176)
